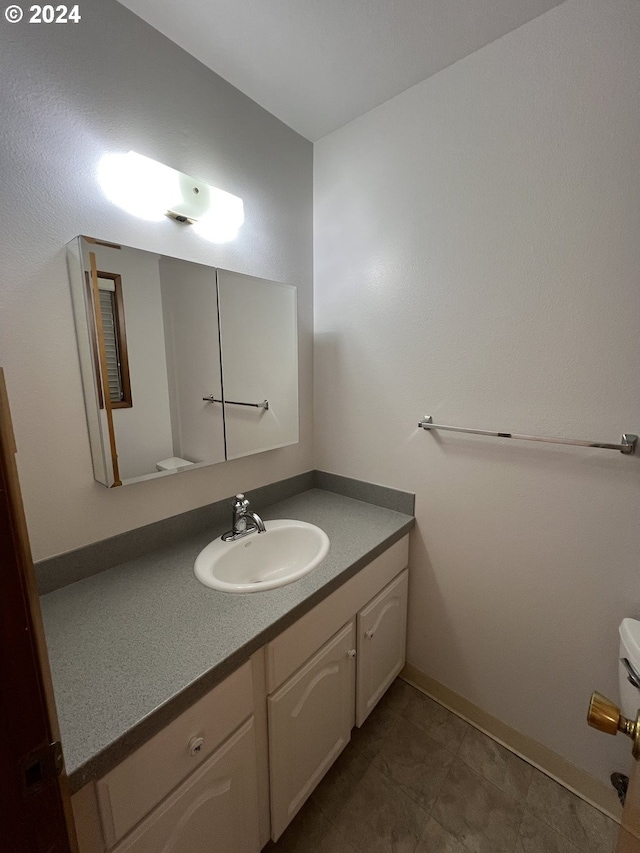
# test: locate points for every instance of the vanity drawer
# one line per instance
(143, 779)
(294, 646)
(213, 811)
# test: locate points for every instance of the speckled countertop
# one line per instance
(132, 647)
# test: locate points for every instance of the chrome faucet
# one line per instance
(244, 521)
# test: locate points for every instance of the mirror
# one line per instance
(182, 365)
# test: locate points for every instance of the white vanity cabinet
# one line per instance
(216, 808)
(317, 694)
(382, 632)
(195, 779)
(310, 722)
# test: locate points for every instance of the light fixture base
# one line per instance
(180, 217)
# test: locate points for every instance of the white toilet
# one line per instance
(604, 714)
(172, 464)
(629, 668)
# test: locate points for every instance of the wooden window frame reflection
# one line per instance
(121, 334)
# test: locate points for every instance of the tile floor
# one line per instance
(418, 779)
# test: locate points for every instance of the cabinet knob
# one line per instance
(195, 745)
(351, 653)
(369, 634)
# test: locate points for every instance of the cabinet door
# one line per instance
(382, 633)
(259, 348)
(216, 808)
(310, 722)
(135, 786)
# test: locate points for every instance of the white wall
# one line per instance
(68, 95)
(477, 257)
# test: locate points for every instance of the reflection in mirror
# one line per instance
(114, 335)
(149, 339)
(258, 333)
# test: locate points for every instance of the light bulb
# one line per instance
(223, 219)
(139, 185)
(151, 190)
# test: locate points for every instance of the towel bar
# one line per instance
(627, 445)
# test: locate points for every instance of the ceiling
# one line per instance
(318, 64)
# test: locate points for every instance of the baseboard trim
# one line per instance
(577, 781)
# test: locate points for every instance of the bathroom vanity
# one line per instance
(253, 696)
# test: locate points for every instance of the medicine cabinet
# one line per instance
(182, 364)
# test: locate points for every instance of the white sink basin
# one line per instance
(286, 551)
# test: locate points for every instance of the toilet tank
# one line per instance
(629, 651)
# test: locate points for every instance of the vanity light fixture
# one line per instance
(150, 190)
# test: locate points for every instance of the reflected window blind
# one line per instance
(108, 312)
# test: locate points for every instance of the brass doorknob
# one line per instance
(606, 717)
(603, 714)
